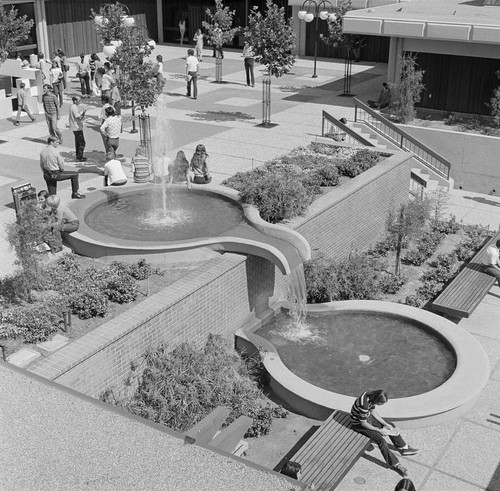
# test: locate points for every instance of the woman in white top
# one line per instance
(198, 39)
(56, 80)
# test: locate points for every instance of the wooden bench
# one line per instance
(208, 431)
(330, 453)
(461, 297)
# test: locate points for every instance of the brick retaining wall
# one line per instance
(224, 293)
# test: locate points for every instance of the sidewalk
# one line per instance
(463, 455)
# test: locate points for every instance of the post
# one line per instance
(218, 68)
(134, 129)
(316, 41)
(145, 134)
(347, 74)
(266, 99)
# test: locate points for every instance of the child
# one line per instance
(141, 168)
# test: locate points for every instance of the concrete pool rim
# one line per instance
(267, 241)
(446, 402)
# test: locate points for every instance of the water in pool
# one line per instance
(350, 352)
(140, 215)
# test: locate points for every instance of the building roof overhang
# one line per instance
(449, 20)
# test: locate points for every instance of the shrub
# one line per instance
(321, 281)
(474, 239)
(446, 227)
(88, 303)
(34, 322)
(277, 198)
(413, 301)
(142, 270)
(178, 388)
(391, 284)
(443, 268)
(121, 288)
(327, 175)
(356, 278)
(425, 247)
(429, 289)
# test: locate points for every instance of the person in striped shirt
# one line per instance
(367, 421)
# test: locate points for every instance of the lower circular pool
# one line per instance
(350, 351)
(456, 385)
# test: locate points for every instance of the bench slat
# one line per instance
(462, 296)
(330, 452)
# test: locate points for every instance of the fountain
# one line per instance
(134, 220)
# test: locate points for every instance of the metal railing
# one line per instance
(341, 132)
(403, 140)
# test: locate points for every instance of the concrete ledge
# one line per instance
(445, 403)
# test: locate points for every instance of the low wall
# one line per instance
(474, 158)
(354, 215)
(227, 292)
(218, 297)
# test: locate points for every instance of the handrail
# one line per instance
(350, 136)
(401, 138)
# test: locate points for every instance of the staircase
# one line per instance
(424, 179)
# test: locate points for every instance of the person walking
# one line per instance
(366, 420)
(192, 73)
(107, 80)
(44, 65)
(64, 67)
(249, 55)
(76, 115)
(52, 165)
(182, 29)
(198, 39)
(217, 42)
(51, 109)
(111, 129)
(159, 68)
(22, 105)
(115, 98)
(83, 73)
(56, 80)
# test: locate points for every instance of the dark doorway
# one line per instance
(458, 83)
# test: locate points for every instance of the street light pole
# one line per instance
(311, 9)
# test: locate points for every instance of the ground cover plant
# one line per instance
(284, 187)
(87, 288)
(180, 387)
(432, 250)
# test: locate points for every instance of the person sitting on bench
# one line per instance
(367, 421)
(491, 261)
(62, 220)
(384, 99)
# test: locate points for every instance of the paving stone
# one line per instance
(23, 357)
(57, 342)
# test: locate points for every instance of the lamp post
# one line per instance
(310, 10)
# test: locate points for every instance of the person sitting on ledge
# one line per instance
(178, 170)
(62, 220)
(367, 421)
(491, 260)
(113, 172)
(384, 99)
(199, 166)
(141, 167)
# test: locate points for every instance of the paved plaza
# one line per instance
(463, 455)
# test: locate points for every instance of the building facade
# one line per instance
(456, 43)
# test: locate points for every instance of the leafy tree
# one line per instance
(410, 88)
(406, 224)
(24, 235)
(220, 28)
(136, 76)
(13, 30)
(272, 39)
(336, 37)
